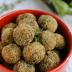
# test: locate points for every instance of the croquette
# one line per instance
(28, 16)
(48, 22)
(10, 25)
(23, 34)
(7, 36)
(11, 53)
(48, 39)
(21, 66)
(34, 53)
(60, 41)
(32, 23)
(50, 61)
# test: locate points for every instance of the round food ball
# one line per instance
(48, 39)
(29, 16)
(11, 53)
(60, 41)
(7, 36)
(21, 66)
(50, 61)
(23, 34)
(10, 25)
(34, 53)
(32, 23)
(48, 22)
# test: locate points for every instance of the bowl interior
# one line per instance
(62, 29)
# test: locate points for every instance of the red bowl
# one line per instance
(62, 28)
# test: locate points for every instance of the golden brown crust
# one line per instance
(25, 16)
(48, 39)
(21, 66)
(23, 34)
(48, 22)
(11, 53)
(7, 36)
(60, 41)
(34, 53)
(50, 61)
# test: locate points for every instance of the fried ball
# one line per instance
(7, 36)
(34, 53)
(9, 25)
(32, 23)
(28, 16)
(48, 22)
(48, 39)
(23, 34)
(11, 53)
(21, 66)
(50, 61)
(60, 41)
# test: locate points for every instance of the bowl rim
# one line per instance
(62, 23)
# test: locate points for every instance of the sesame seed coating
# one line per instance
(60, 41)
(21, 66)
(10, 25)
(48, 22)
(32, 23)
(25, 16)
(23, 34)
(34, 53)
(7, 36)
(11, 53)
(48, 39)
(50, 61)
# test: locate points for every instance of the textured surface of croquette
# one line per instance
(50, 61)
(60, 41)
(10, 25)
(32, 23)
(48, 22)
(21, 66)
(11, 53)
(34, 53)
(48, 39)
(24, 16)
(7, 36)
(23, 34)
